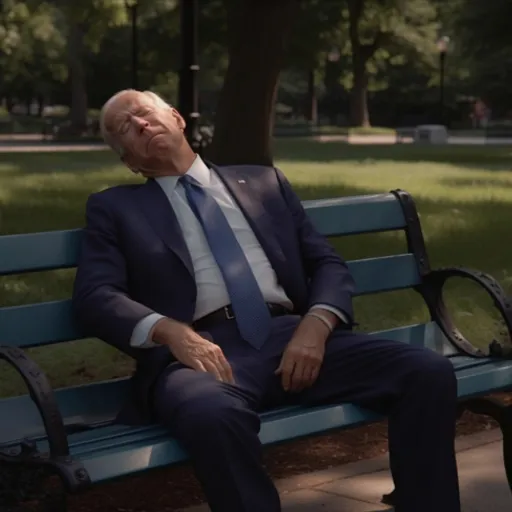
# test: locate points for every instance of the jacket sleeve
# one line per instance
(100, 296)
(330, 281)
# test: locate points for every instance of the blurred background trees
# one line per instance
(264, 65)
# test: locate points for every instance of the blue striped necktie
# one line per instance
(250, 310)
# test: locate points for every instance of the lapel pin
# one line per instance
(241, 181)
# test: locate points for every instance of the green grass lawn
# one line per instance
(464, 196)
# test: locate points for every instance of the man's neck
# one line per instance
(177, 165)
(183, 163)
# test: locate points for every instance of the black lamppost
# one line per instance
(131, 6)
(442, 46)
(188, 101)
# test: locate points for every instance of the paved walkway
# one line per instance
(387, 139)
(358, 487)
(24, 145)
(46, 147)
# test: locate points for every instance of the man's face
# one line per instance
(148, 133)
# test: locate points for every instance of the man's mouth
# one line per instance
(150, 139)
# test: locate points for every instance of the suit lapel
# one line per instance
(156, 207)
(245, 191)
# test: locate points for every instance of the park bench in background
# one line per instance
(71, 430)
(405, 134)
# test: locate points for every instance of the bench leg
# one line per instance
(502, 413)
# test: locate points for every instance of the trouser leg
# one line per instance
(218, 427)
(417, 389)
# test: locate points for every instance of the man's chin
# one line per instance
(158, 145)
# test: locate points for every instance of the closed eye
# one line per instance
(142, 113)
(124, 128)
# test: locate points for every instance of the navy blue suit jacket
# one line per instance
(134, 261)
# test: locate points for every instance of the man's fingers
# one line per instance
(231, 376)
(298, 376)
(225, 369)
(287, 365)
(310, 375)
(197, 365)
(314, 374)
(211, 367)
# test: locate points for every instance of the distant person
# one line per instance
(216, 282)
(481, 114)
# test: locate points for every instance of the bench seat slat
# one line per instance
(98, 403)
(125, 450)
(116, 450)
(52, 322)
(117, 435)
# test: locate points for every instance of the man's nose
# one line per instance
(140, 123)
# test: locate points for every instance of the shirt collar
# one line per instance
(198, 170)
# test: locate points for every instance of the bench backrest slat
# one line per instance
(33, 325)
(39, 251)
(355, 215)
(332, 217)
(52, 322)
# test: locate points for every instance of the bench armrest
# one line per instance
(432, 291)
(42, 395)
(41, 392)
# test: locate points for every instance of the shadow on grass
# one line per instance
(59, 161)
(497, 158)
(306, 150)
(45, 210)
(477, 182)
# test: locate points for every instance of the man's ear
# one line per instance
(179, 120)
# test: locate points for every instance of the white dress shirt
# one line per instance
(212, 293)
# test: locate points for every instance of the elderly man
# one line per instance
(214, 280)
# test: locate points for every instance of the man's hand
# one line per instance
(304, 354)
(192, 350)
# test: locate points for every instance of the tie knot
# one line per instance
(186, 179)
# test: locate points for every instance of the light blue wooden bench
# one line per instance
(71, 429)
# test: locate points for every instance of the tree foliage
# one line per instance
(379, 34)
(482, 48)
(78, 53)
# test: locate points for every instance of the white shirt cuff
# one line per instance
(140, 335)
(342, 316)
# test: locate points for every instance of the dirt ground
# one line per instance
(166, 490)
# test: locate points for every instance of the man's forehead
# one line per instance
(123, 103)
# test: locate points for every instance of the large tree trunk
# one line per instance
(78, 111)
(359, 114)
(244, 118)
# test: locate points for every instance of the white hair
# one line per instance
(109, 137)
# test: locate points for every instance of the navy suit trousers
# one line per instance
(218, 423)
